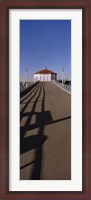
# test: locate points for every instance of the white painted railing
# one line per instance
(63, 86)
(25, 86)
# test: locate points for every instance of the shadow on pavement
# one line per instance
(34, 141)
(43, 118)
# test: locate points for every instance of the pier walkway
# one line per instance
(45, 133)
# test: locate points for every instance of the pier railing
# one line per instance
(63, 86)
(25, 88)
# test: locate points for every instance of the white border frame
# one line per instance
(75, 184)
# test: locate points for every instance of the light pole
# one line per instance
(26, 77)
(62, 76)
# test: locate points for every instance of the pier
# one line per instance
(45, 133)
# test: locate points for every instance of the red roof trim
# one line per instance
(45, 71)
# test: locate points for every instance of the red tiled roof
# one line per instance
(45, 71)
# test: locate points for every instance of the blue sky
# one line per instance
(45, 43)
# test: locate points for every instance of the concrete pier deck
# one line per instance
(45, 133)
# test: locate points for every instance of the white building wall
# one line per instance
(42, 77)
(37, 77)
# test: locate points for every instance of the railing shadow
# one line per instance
(23, 93)
(28, 94)
(31, 97)
(34, 141)
(40, 120)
